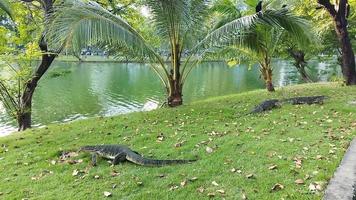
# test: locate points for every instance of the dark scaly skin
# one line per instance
(306, 100)
(266, 105)
(121, 153)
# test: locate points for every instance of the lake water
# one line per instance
(106, 89)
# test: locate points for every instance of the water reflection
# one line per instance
(105, 89)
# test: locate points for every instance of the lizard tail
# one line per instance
(138, 159)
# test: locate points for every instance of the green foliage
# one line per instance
(4, 5)
(78, 24)
(253, 37)
(15, 73)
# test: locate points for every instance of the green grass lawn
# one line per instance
(251, 154)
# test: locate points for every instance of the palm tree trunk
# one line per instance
(175, 97)
(267, 73)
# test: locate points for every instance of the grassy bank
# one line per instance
(250, 154)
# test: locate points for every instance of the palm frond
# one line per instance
(239, 32)
(77, 24)
(296, 26)
(5, 6)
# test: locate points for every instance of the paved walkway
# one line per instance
(343, 185)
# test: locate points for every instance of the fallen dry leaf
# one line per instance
(277, 187)
(299, 181)
(215, 183)
(221, 191)
(107, 194)
(193, 179)
(212, 194)
(183, 183)
(160, 137)
(272, 167)
(200, 189)
(250, 176)
(298, 163)
(173, 187)
(75, 172)
(114, 173)
(209, 150)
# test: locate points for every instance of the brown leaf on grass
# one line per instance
(114, 173)
(299, 181)
(77, 172)
(201, 189)
(215, 183)
(250, 176)
(160, 137)
(277, 187)
(173, 187)
(221, 191)
(209, 150)
(243, 196)
(272, 167)
(193, 179)
(161, 176)
(96, 176)
(298, 162)
(179, 144)
(107, 194)
(211, 194)
(41, 175)
(319, 157)
(184, 183)
(316, 186)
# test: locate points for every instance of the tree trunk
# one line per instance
(175, 97)
(24, 116)
(339, 16)
(267, 73)
(348, 57)
(269, 83)
(300, 63)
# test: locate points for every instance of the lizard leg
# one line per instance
(121, 157)
(93, 159)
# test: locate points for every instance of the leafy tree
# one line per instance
(340, 12)
(47, 57)
(176, 22)
(13, 79)
(260, 42)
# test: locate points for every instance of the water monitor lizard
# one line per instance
(121, 153)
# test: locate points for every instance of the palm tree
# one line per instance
(261, 41)
(4, 5)
(179, 23)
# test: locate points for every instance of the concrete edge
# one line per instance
(343, 184)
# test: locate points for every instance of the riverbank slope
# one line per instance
(287, 153)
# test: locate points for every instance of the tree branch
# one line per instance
(328, 6)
